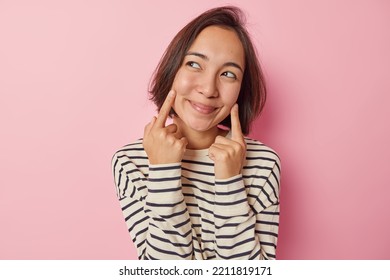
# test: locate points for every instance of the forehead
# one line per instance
(219, 42)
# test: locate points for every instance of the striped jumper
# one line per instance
(180, 211)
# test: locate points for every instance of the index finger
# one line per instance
(165, 109)
(235, 124)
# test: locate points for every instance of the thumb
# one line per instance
(178, 134)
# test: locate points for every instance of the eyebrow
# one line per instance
(205, 57)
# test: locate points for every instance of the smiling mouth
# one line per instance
(201, 108)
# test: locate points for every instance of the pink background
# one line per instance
(73, 81)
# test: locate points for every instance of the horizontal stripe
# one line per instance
(211, 241)
(198, 172)
(197, 162)
(173, 232)
(164, 168)
(257, 167)
(200, 208)
(225, 247)
(174, 214)
(170, 242)
(142, 166)
(221, 217)
(270, 213)
(234, 256)
(230, 192)
(262, 151)
(267, 223)
(231, 203)
(163, 228)
(197, 188)
(218, 182)
(151, 204)
(198, 198)
(263, 243)
(194, 215)
(135, 180)
(267, 233)
(226, 225)
(168, 252)
(271, 256)
(207, 221)
(255, 177)
(198, 180)
(177, 178)
(207, 231)
(231, 236)
(167, 190)
(260, 158)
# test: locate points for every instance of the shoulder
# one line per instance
(130, 152)
(259, 152)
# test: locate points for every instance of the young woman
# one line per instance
(197, 188)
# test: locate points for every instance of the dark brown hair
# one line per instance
(252, 95)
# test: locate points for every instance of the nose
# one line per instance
(207, 85)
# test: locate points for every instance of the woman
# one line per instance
(197, 188)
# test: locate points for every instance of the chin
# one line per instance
(199, 126)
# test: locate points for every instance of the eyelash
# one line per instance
(191, 64)
(226, 73)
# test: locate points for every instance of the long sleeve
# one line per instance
(153, 207)
(234, 221)
(180, 211)
(247, 211)
(267, 213)
(264, 200)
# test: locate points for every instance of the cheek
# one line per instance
(230, 96)
(182, 83)
(182, 86)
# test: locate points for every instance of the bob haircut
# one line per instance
(253, 92)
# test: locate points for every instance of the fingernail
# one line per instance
(171, 93)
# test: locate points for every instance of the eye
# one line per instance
(229, 74)
(193, 64)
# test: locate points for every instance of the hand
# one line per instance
(229, 154)
(163, 144)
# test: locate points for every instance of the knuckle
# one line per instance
(170, 140)
(224, 156)
(161, 133)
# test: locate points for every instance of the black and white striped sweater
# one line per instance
(180, 211)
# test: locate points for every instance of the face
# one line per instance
(208, 82)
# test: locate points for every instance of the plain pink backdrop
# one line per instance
(73, 89)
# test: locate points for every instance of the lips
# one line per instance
(201, 108)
